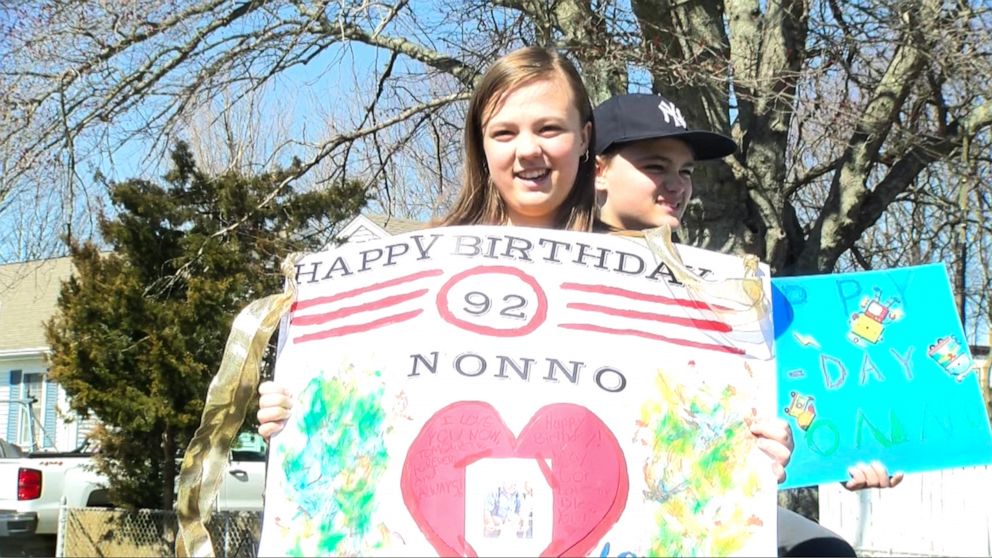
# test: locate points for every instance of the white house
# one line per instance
(34, 411)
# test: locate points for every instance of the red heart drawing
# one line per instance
(588, 472)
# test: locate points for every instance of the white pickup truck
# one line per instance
(33, 486)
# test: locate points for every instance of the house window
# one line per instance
(32, 391)
(14, 410)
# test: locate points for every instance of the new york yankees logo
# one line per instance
(671, 113)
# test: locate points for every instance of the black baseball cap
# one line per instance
(634, 116)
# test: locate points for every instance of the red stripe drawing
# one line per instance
(656, 337)
(315, 319)
(304, 304)
(709, 325)
(358, 328)
(677, 321)
(634, 295)
(365, 310)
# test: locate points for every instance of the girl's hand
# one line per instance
(274, 406)
(775, 439)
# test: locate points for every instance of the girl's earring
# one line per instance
(585, 156)
(600, 199)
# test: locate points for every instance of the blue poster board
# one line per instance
(875, 366)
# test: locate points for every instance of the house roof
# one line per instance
(372, 227)
(395, 225)
(29, 292)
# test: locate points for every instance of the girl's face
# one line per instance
(645, 184)
(533, 140)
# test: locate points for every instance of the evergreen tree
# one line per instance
(141, 329)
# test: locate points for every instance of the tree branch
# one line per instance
(841, 218)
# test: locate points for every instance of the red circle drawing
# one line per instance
(539, 315)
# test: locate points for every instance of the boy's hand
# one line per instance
(871, 475)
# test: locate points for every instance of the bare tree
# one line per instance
(863, 125)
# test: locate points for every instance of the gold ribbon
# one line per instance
(737, 300)
(235, 384)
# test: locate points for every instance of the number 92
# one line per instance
(479, 303)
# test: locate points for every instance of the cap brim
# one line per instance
(705, 145)
(708, 145)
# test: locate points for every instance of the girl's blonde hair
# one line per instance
(479, 202)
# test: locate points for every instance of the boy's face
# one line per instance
(645, 184)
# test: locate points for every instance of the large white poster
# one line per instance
(510, 391)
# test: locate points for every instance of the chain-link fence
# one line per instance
(110, 533)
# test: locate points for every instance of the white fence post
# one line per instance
(60, 534)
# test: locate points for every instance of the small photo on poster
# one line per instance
(508, 506)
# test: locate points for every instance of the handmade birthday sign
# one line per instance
(511, 391)
(875, 366)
